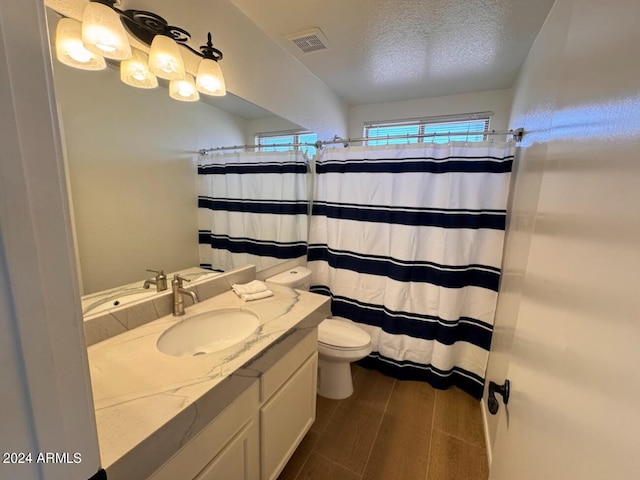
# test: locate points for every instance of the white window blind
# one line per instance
(276, 138)
(465, 128)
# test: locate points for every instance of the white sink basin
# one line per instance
(208, 332)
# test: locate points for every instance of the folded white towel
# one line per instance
(247, 297)
(254, 286)
(253, 290)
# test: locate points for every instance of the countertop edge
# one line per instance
(148, 456)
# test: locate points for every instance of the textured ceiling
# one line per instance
(389, 50)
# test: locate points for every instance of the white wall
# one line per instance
(46, 392)
(567, 317)
(16, 412)
(268, 124)
(131, 163)
(535, 101)
(496, 101)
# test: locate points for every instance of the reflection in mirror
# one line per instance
(105, 300)
(132, 170)
(253, 208)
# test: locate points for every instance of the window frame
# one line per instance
(296, 134)
(422, 123)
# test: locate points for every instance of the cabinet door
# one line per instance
(237, 419)
(286, 417)
(238, 460)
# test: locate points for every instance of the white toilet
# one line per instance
(340, 342)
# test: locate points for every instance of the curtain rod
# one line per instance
(517, 135)
(204, 151)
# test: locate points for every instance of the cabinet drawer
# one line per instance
(286, 417)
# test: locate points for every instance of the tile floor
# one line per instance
(393, 430)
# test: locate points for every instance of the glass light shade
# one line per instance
(209, 79)
(184, 90)
(103, 32)
(135, 71)
(165, 60)
(70, 49)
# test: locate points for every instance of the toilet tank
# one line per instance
(298, 277)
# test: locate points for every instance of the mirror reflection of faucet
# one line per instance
(160, 281)
(178, 291)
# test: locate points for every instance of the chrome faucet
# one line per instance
(178, 291)
(160, 281)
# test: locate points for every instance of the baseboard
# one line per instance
(485, 424)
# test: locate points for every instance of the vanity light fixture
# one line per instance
(135, 71)
(184, 90)
(165, 60)
(70, 49)
(103, 35)
(209, 79)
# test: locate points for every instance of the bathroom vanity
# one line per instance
(256, 434)
(237, 413)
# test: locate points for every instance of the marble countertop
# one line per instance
(139, 391)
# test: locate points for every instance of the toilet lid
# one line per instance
(341, 333)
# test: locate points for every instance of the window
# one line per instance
(465, 128)
(277, 138)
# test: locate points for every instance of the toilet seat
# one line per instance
(342, 349)
(340, 334)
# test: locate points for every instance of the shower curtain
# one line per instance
(252, 209)
(407, 240)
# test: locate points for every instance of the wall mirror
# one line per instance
(131, 169)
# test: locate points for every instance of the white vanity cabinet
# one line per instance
(255, 434)
(288, 408)
(227, 448)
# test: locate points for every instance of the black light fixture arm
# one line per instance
(208, 50)
(145, 25)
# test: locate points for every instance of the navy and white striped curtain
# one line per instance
(252, 208)
(407, 240)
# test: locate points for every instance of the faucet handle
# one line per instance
(178, 279)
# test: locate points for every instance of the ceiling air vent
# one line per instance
(309, 40)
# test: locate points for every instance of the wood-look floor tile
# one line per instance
(352, 429)
(455, 459)
(319, 468)
(325, 408)
(401, 450)
(458, 413)
(299, 457)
